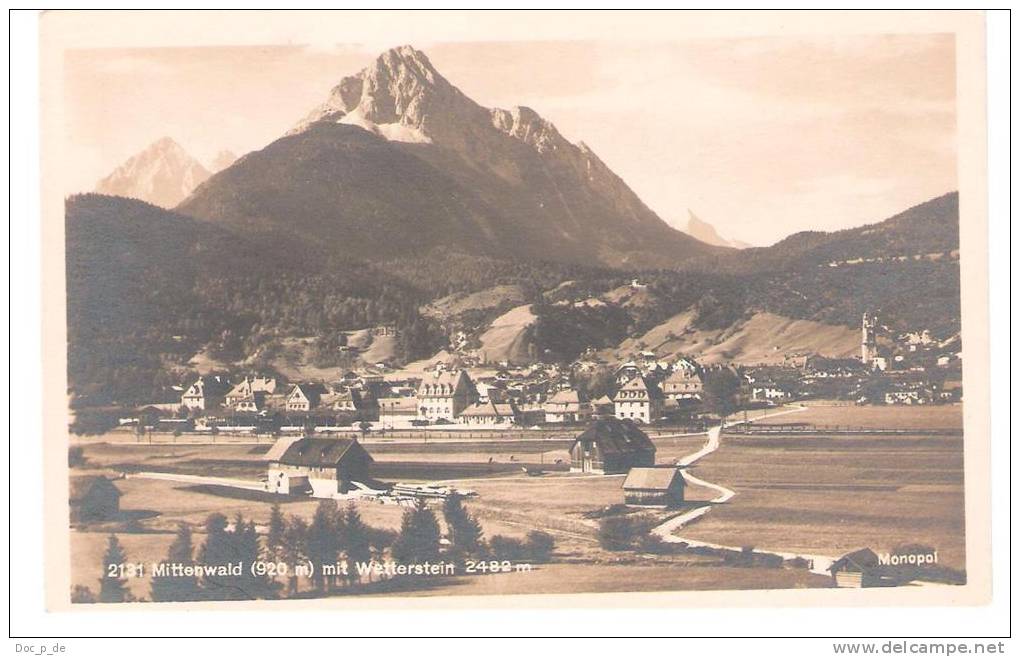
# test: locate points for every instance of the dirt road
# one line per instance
(665, 531)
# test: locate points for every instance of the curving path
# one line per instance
(665, 531)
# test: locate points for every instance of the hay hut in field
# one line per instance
(856, 570)
(661, 487)
(611, 446)
(93, 498)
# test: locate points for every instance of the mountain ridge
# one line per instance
(706, 232)
(507, 175)
(162, 173)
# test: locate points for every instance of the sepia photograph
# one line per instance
(420, 316)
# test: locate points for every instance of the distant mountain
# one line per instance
(163, 174)
(925, 230)
(397, 160)
(706, 232)
(148, 288)
(222, 160)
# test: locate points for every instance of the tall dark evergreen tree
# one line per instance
(219, 549)
(295, 550)
(113, 587)
(465, 532)
(246, 541)
(275, 536)
(358, 547)
(177, 588)
(418, 540)
(323, 546)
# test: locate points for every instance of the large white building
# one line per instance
(639, 400)
(445, 395)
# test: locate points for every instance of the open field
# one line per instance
(949, 416)
(796, 493)
(510, 504)
(653, 575)
(827, 495)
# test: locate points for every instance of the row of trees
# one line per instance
(334, 542)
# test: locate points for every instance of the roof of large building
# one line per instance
(567, 397)
(683, 375)
(491, 409)
(639, 389)
(615, 436)
(320, 452)
(653, 478)
(280, 447)
(443, 384)
(82, 484)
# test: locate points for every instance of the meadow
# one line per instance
(819, 494)
(830, 495)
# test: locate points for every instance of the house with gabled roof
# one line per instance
(683, 383)
(444, 395)
(856, 569)
(247, 388)
(567, 406)
(491, 414)
(639, 400)
(305, 397)
(352, 402)
(611, 446)
(660, 487)
(321, 467)
(253, 403)
(206, 393)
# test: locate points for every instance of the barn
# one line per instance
(661, 487)
(611, 446)
(856, 570)
(322, 467)
(93, 498)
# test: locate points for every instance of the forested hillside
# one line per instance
(150, 288)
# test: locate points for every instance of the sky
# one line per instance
(762, 136)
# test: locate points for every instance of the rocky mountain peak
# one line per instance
(706, 232)
(400, 96)
(525, 124)
(162, 174)
(471, 178)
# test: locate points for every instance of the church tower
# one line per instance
(869, 343)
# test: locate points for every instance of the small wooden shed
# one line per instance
(856, 570)
(93, 498)
(611, 446)
(661, 487)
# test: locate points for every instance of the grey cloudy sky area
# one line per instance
(762, 137)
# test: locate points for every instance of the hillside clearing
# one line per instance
(763, 338)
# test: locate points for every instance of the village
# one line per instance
(902, 369)
(528, 446)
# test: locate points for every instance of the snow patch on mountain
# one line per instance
(391, 131)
